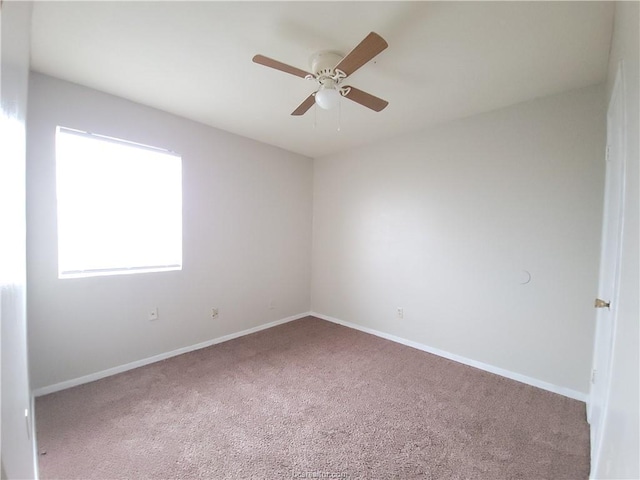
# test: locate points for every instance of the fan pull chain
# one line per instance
(339, 114)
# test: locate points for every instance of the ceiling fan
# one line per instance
(329, 70)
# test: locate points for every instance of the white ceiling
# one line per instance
(445, 60)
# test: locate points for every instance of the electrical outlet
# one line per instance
(153, 314)
(400, 312)
(214, 313)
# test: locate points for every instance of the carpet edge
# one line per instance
(56, 387)
(518, 377)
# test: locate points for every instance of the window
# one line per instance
(119, 206)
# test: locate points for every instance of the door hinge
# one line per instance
(593, 375)
(607, 153)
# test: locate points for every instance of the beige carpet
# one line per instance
(310, 399)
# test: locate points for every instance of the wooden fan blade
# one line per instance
(366, 99)
(283, 67)
(304, 106)
(368, 48)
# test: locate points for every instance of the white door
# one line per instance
(609, 267)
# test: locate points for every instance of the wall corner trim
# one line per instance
(33, 432)
(566, 392)
(38, 392)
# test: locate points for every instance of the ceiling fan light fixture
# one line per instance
(327, 97)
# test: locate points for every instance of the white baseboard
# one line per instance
(567, 392)
(156, 358)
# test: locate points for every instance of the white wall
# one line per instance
(17, 450)
(247, 240)
(443, 221)
(620, 456)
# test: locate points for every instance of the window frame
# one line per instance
(122, 270)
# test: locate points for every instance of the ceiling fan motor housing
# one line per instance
(323, 64)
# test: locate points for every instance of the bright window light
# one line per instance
(119, 206)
